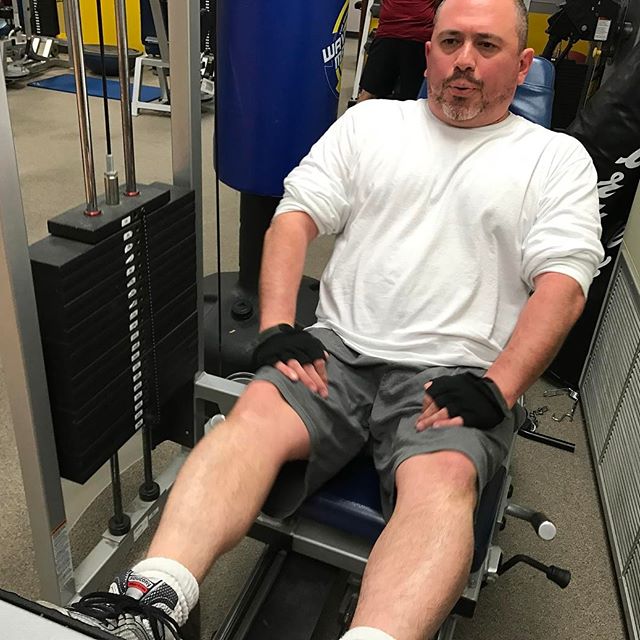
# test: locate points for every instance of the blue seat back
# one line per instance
(534, 97)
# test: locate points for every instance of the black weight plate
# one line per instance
(79, 467)
(82, 426)
(75, 391)
(74, 225)
(111, 319)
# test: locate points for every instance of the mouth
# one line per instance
(462, 87)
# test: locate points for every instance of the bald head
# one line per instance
(520, 17)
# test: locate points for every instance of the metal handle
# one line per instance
(543, 527)
(131, 188)
(84, 119)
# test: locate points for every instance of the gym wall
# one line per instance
(90, 22)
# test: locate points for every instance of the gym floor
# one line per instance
(522, 604)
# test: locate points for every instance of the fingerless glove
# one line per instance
(477, 401)
(283, 343)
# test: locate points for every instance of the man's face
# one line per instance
(474, 63)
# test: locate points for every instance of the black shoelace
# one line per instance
(110, 606)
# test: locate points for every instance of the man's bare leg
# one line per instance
(227, 477)
(420, 564)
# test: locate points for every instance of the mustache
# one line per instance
(461, 75)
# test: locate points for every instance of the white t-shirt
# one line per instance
(441, 230)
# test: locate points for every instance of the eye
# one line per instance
(449, 42)
(488, 46)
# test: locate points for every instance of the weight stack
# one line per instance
(117, 305)
(44, 18)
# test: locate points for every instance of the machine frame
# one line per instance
(21, 349)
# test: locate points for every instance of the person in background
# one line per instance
(396, 59)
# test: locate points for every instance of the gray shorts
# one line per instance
(372, 403)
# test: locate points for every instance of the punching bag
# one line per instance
(277, 89)
(279, 72)
(609, 128)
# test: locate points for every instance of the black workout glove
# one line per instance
(477, 401)
(283, 343)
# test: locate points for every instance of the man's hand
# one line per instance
(464, 399)
(296, 354)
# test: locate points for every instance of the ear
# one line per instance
(427, 51)
(526, 58)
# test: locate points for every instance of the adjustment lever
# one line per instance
(529, 430)
(543, 527)
(562, 577)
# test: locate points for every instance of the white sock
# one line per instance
(178, 577)
(366, 633)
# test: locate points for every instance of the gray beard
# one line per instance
(462, 113)
(457, 112)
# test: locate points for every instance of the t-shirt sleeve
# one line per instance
(319, 186)
(565, 235)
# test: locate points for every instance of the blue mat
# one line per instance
(66, 83)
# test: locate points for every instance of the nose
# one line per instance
(465, 60)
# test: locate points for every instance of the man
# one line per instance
(396, 58)
(466, 241)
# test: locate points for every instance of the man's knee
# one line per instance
(262, 413)
(449, 473)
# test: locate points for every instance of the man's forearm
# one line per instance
(542, 327)
(285, 249)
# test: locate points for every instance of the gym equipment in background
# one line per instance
(609, 128)
(115, 287)
(154, 22)
(576, 20)
(39, 17)
(602, 23)
(149, 25)
(28, 46)
(277, 87)
(153, 16)
(93, 59)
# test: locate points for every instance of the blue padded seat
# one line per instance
(534, 97)
(351, 501)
